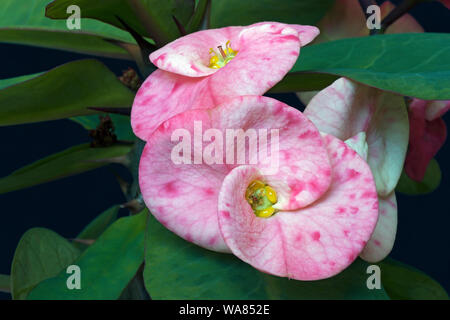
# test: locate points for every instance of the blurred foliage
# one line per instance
(5, 283)
(226, 13)
(403, 282)
(430, 182)
(27, 24)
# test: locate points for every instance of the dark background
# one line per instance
(67, 205)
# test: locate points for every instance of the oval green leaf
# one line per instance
(107, 266)
(404, 282)
(411, 64)
(40, 255)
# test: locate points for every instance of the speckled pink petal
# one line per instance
(190, 56)
(183, 197)
(425, 139)
(345, 108)
(304, 171)
(383, 237)
(267, 51)
(163, 95)
(312, 243)
(342, 109)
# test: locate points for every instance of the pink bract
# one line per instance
(428, 133)
(375, 124)
(328, 206)
(265, 53)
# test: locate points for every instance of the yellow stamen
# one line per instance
(265, 213)
(219, 60)
(261, 198)
(271, 194)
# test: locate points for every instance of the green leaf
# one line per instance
(69, 41)
(411, 64)
(69, 162)
(106, 267)
(4, 83)
(226, 13)
(5, 283)
(404, 282)
(177, 269)
(141, 15)
(430, 182)
(197, 18)
(122, 125)
(40, 254)
(26, 23)
(94, 229)
(303, 81)
(63, 92)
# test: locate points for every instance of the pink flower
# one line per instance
(205, 68)
(426, 136)
(427, 133)
(375, 124)
(307, 220)
(346, 109)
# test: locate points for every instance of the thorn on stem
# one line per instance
(179, 26)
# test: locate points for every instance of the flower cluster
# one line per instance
(329, 199)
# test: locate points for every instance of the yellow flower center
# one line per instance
(221, 58)
(261, 198)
